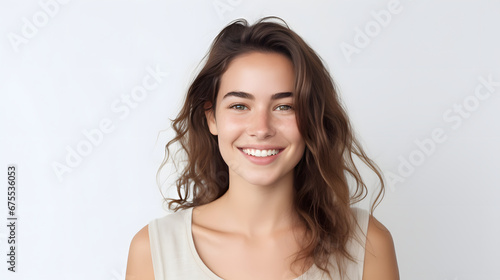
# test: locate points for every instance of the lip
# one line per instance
(262, 147)
(262, 160)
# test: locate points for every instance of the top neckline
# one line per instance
(188, 218)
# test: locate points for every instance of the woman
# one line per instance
(269, 152)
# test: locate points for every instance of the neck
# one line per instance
(253, 210)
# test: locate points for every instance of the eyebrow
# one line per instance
(247, 95)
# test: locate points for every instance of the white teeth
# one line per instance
(260, 153)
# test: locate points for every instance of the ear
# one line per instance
(210, 115)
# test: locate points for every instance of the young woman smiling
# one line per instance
(269, 152)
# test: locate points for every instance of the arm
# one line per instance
(140, 263)
(380, 255)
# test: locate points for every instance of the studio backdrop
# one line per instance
(88, 89)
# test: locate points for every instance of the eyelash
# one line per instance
(289, 107)
(238, 105)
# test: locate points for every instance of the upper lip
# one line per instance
(262, 147)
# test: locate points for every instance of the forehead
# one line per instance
(258, 73)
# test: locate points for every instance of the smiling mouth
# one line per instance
(261, 153)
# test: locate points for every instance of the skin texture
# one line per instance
(257, 208)
(259, 120)
(140, 263)
(380, 255)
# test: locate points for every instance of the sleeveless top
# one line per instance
(174, 254)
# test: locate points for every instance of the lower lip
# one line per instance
(261, 160)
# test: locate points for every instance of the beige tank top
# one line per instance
(175, 257)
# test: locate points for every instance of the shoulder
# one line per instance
(140, 263)
(380, 256)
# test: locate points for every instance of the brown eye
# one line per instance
(284, 108)
(238, 107)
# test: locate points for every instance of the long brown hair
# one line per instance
(322, 196)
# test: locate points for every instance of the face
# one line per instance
(255, 119)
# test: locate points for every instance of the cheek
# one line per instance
(228, 120)
(292, 130)
(295, 137)
(229, 128)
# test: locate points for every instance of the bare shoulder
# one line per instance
(380, 255)
(140, 263)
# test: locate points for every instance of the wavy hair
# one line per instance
(322, 196)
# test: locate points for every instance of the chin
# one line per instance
(264, 180)
(261, 183)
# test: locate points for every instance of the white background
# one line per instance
(64, 67)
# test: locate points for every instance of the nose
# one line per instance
(260, 125)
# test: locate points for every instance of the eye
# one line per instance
(284, 108)
(238, 107)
